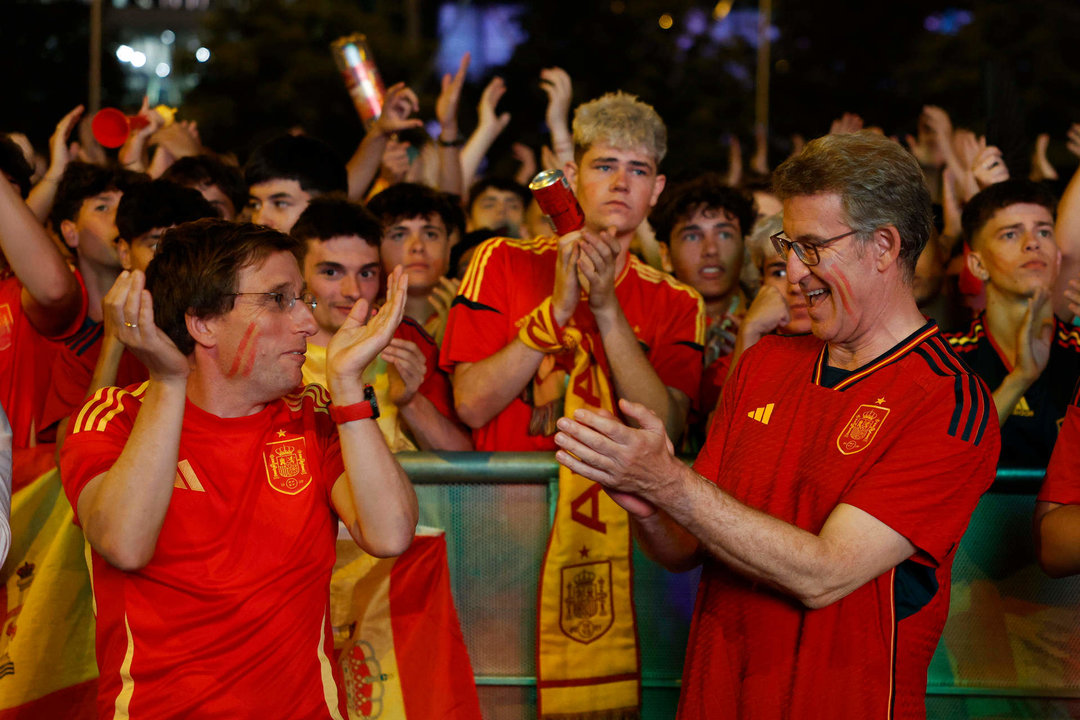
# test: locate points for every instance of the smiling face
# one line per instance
(421, 246)
(338, 272)
(616, 188)
(774, 273)
(1015, 252)
(707, 251)
(845, 294)
(277, 203)
(259, 348)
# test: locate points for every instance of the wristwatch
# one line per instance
(366, 408)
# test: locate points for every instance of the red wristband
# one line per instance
(366, 408)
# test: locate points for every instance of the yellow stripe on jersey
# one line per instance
(88, 407)
(650, 274)
(470, 285)
(127, 687)
(1070, 336)
(326, 673)
(109, 402)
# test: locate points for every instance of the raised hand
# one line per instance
(60, 152)
(1041, 169)
(129, 317)
(1034, 336)
(359, 340)
(526, 163)
(596, 267)
(446, 106)
(399, 103)
(567, 290)
(846, 123)
(989, 167)
(407, 369)
(486, 109)
(1072, 139)
(768, 312)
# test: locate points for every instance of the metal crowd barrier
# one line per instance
(1011, 647)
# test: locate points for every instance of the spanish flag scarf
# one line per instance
(588, 665)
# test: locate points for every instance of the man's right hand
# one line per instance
(398, 104)
(1034, 337)
(567, 291)
(129, 316)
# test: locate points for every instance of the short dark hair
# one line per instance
(14, 163)
(405, 201)
(158, 204)
(196, 170)
(705, 191)
(499, 184)
(879, 183)
(197, 268)
(334, 216)
(307, 160)
(81, 181)
(985, 203)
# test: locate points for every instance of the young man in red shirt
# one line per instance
(211, 494)
(839, 474)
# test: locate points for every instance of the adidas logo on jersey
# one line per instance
(1022, 408)
(186, 479)
(762, 414)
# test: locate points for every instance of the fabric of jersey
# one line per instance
(910, 439)
(25, 362)
(507, 279)
(230, 618)
(1062, 483)
(73, 370)
(1028, 435)
(435, 386)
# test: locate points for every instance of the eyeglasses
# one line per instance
(806, 252)
(284, 302)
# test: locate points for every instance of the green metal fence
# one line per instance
(1011, 648)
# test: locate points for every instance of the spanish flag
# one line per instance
(397, 635)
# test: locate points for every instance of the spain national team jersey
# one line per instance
(911, 439)
(25, 360)
(230, 618)
(1028, 435)
(507, 279)
(1062, 484)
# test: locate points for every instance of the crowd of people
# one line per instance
(224, 357)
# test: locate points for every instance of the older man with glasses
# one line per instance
(210, 495)
(840, 472)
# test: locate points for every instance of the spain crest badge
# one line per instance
(861, 429)
(585, 610)
(286, 463)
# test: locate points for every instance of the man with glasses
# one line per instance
(840, 472)
(211, 494)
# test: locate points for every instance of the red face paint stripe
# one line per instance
(235, 367)
(847, 292)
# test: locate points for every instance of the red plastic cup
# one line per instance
(111, 126)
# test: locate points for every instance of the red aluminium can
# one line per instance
(557, 201)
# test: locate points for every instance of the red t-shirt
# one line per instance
(25, 359)
(1062, 483)
(912, 439)
(231, 616)
(507, 279)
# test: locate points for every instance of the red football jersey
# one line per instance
(507, 279)
(1062, 483)
(231, 616)
(25, 359)
(911, 439)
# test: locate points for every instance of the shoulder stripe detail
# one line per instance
(316, 394)
(973, 403)
(692, 345)
(470, 285)
(471, 304)
(967, 339)
(1068, 336)
(85, 337)
(107, 403)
